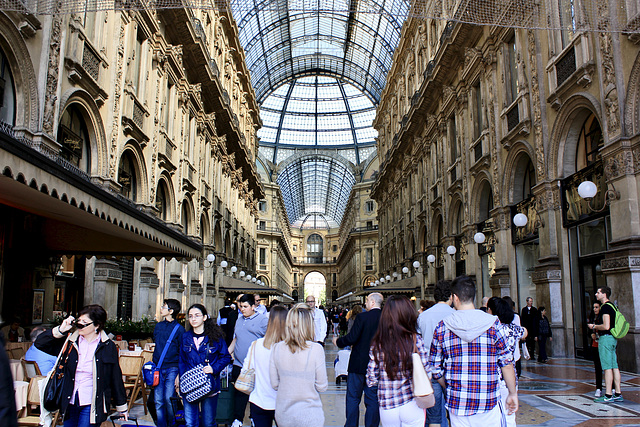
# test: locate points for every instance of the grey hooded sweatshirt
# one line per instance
(469, 324)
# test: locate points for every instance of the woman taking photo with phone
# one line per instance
(86, 392)
(203, 344)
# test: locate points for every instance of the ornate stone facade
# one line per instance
(510, 121)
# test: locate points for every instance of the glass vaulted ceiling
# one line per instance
(318, 68)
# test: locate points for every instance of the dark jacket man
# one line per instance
(359, 338)
(530, 319)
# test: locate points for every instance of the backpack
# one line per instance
(621, 327)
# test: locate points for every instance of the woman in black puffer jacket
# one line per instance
(92, 375)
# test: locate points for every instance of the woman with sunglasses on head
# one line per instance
(92, 375)
(203, 344)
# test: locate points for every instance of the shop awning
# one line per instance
(76, 216)
(405, 286)
(231, 284)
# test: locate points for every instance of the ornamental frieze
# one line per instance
(620, 262)
(546, 275)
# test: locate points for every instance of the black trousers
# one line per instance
(598, 367)
(240, 398)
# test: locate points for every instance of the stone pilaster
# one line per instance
(196, 292)
(548, 280)
(148, 289)
(106, 276)
(176, 287)
(500, 282)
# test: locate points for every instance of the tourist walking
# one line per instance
(502, 308)
(530, 319)
(364, 327)
(91, 374)
(298, 372)
(427, 322)
(166, 389)
(594, 317)
(468, 349)
(390, 366)
(351, 316)
(263, 397)
(319, 321)
(203, 344)
(607, 346)
(249, 327)
(544, 332)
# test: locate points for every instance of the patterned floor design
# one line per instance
(556, 394)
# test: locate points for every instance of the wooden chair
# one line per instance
(122, 345)
(131, 367)
(17, 353)
(31, 418)
(31, 369)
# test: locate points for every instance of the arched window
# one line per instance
(185, 218)
(74, 138)
(7, 93)
(162, 201)
(529, 180)
(590, 142)
(314, 248)
(127, 177)
(485, 202)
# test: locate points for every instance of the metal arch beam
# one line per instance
(349, 115)
(282, 115)
(374, 92)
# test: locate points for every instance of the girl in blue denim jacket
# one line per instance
(205, 341)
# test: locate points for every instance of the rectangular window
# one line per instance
(262, 205)
(295, 248)
(137, 70)
(335, 248)
(168, 107)
(567, 21)
(369, 225)
(453, 139)
(263, 255)
(477, 122)
(262, 225)
(368, 206)
(368, 256)
(512, 70)
(295, 278)
(334, 279)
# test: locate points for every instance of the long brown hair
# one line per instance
(276, 327)
(393, 342)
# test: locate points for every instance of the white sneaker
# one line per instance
(236, 423)
(598, 393)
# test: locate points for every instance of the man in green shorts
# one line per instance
(607, 346)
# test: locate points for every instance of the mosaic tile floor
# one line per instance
(556, 394)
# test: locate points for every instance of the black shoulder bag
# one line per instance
(52, 398)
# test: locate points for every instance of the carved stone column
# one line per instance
(106, 276)
(176, 287)
(148, 289)
(548, 280)
(196, 292)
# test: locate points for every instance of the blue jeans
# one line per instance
(261, 417)
(78, 416)
(437, 414)
(356, 384)
(201, 413)
(163, 394)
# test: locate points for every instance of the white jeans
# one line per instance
(491, 418)
(504, 393)
(407, 415)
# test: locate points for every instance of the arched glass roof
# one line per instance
(316, 185)
(318, 68)
(353, 40)
(317, 112)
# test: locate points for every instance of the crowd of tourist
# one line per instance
(472, 358)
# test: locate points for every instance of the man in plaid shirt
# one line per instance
(467, 352)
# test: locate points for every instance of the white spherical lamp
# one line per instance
(587, 190)
(416, 264)
(479, 237)
(431, 258)
(242, 273)
(377, 282)
(224, 264)
(253, 279)
(520, 220)
(451, 250)
(405, 270)
(388, 278)
(211, 257)
(395, 274)
(382, 280)
(248, 277)
(234, 269)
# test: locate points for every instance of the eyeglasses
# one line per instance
(194, 316)
(165, 307)
(311, 300)
(81, 325)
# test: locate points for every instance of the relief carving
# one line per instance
(52, 76)
(537, 113)
(116, 106)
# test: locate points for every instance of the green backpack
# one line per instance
(621, 327)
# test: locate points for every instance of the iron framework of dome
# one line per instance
(318, 69)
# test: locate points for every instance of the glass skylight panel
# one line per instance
(283, 154)
(266, 152)
(366, 152)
